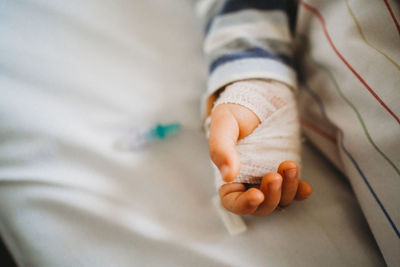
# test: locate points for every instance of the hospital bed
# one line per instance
(76, 77)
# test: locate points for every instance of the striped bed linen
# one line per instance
(347, 75)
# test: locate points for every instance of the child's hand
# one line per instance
(229, 123)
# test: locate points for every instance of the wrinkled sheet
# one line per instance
(75, 77)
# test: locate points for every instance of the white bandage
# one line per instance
(277, 137)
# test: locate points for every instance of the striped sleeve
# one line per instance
(248, 39)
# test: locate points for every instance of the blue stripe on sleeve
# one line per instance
(208, 26)
(231, 6)
(236, 5)
(250, 53)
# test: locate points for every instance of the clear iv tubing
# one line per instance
(138, 138)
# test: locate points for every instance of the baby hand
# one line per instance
(230, 123)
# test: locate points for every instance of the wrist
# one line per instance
(262, 97)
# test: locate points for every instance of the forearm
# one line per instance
(247, 40)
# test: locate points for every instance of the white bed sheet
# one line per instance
(74, 77)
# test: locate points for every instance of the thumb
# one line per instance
(224, 133)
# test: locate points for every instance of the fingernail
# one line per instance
(254, 203)
(224, 171)
(290, 174)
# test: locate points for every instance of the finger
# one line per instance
(245, 117)
(289, 171)
(235, 199)
(271, 186)
(304, 190)
(224, 132)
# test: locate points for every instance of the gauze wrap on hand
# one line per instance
(277, 137)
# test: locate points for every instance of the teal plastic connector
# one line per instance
(161, 131)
